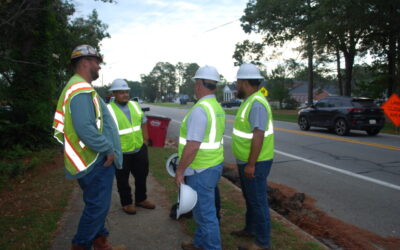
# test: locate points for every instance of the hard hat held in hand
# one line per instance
(172, 164)
(207, 73)
(119, 84)
(248, 71)
(187, 199)
(85, 50)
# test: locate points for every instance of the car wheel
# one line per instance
(303, 123)
(341, 127)
(372, 131)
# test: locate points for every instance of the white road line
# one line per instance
(345, 172)
(358, 176)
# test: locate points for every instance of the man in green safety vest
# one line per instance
(92, 147)
(201, 154)
(253, 148)
(132, 127)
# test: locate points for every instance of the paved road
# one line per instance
(354, 178)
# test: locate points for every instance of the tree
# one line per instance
(37, 38)
(384, 39)
(343, 25)
(136, 89)
(370, 81)
(277, 85)
(280, 21)
(185, 72)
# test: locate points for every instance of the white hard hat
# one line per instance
(85, 50)
(187, 199)
(119, 84)
(207, 73)
(248, 71)
(172, 164)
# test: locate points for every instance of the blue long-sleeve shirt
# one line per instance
(84, 122)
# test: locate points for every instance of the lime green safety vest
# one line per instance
(130, 132)
(211, 150)
(77, 157)
(242, 134)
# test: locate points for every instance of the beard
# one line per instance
(240, 94)
(94, 74)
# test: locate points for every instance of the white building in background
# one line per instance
(230, 92)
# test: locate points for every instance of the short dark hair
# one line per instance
(75, 62)
(211, 85)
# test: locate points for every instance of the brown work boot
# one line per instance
(101, 243)
(146, 204)
(252, 246)
(242, 233)
(129, 209)
(189, 246)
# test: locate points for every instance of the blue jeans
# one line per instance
(255, 193)
(97, 188)
(207, 235)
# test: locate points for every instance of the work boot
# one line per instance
(252, 246)
(189, 246)
(129, 209)
(101, 243)
(75, 247)
(146, 204)
(242, 233)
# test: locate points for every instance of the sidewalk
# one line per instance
(147, 229)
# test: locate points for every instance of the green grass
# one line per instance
(232, 209)
(33, 203)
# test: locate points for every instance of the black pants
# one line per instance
(138, 165)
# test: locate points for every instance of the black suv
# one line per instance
(342, 113)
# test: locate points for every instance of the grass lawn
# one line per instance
(232, 209)
(31, 204)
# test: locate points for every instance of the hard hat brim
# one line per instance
(171, 161)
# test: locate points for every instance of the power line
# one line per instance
(217, 27)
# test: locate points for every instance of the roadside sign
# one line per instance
(392, 109)
(264, 91)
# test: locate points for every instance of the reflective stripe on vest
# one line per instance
(211, 151)
(77, 156)
(242, 133)
(74, 156)
(204, 145)
(245, 135)
(123, 131)
(213, 131)
(130, 131)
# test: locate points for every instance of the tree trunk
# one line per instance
(391, 57)
(339, 74)
(310, 54)
(349, 62)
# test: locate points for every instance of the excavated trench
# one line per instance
(300, 209)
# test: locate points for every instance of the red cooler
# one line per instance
(157, 127)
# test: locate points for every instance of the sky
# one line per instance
(144, 32)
